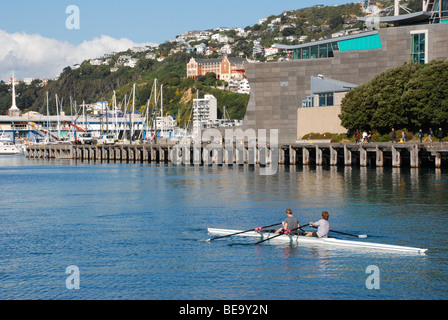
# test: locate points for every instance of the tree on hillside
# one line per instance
(288, 32)
(5, 97)
(336, 21)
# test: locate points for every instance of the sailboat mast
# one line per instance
(155, 111)
(123, 119)
(71, 129)
(161, 110)
(114, 103)
(132, 113)
(48, 119)
(57, 113)
(84, 115)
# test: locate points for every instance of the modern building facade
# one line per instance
(205, 113)
(278, 89)
(319, 111)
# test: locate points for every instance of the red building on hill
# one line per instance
(225, 68)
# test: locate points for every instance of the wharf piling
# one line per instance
(371, 154)
(332, 154)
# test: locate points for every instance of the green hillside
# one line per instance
(92, 83)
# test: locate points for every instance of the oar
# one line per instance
(352, 235)
(286, 232)
(234, 234)
(348, 234)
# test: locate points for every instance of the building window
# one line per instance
(419, 47)
(326, 99)
(440, 11)
(308, 102)
(314, 52)
(330, 51)
(323, 51)
(306, 53)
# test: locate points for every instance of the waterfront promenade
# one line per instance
(412, 155)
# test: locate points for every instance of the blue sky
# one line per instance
(139, 20)
(35, 42)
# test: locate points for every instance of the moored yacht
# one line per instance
(7, 146)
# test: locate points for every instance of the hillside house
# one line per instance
(131, 63)
(270, 51)
(210, 51)
(226, 49)
(96, 62)
(200, 48)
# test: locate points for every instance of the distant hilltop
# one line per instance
(95, 79)
(256, 42)
(252, 42)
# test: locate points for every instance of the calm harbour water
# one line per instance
(134, 231)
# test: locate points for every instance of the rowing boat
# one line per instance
(330, 242)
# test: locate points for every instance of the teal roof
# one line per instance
(364, 43)
(326, 41)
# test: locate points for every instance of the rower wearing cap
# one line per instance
(290, 223)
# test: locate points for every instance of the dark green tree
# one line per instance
(411, 96)
(426, 96)
(377, 104)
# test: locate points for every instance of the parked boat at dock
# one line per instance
(7, 146)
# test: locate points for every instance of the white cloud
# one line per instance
(34, 56)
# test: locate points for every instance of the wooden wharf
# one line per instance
(412, 155)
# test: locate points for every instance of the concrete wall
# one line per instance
(278, 88)
(318, 120)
